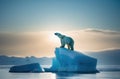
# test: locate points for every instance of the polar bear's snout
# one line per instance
(57, 34)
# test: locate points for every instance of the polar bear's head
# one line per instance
(59, 35)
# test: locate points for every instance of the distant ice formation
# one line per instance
(34, 67)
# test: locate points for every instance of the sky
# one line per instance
(27, 27)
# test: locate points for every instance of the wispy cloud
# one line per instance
(101, 31)
(43, 43)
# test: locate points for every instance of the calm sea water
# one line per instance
(4, 74)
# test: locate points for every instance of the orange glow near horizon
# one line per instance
(43, 44)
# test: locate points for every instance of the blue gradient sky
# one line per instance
(27, 27)
(37, 15)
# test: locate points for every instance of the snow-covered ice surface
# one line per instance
(72, 61)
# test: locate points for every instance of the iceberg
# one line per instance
(55, 66)
(33, 67)
(72, 61)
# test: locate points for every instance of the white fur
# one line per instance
(66, 40)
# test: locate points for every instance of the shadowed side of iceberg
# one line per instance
(33, 67)
(72, 61)
(55, 66)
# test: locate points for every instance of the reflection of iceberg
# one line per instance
(34, 67)
(72, 61)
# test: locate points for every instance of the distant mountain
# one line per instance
(107, 57)
(5, 60)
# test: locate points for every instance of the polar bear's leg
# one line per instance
(62, 46)
(72, 46)
(68, 46)
(62, 43)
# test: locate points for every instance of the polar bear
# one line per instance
(66, 40)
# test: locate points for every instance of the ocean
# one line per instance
(104, 74)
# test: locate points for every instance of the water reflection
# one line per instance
(65, 75)
(4, 74)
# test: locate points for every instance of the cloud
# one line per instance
(102, 31)
(93, 40)
(43, 43)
